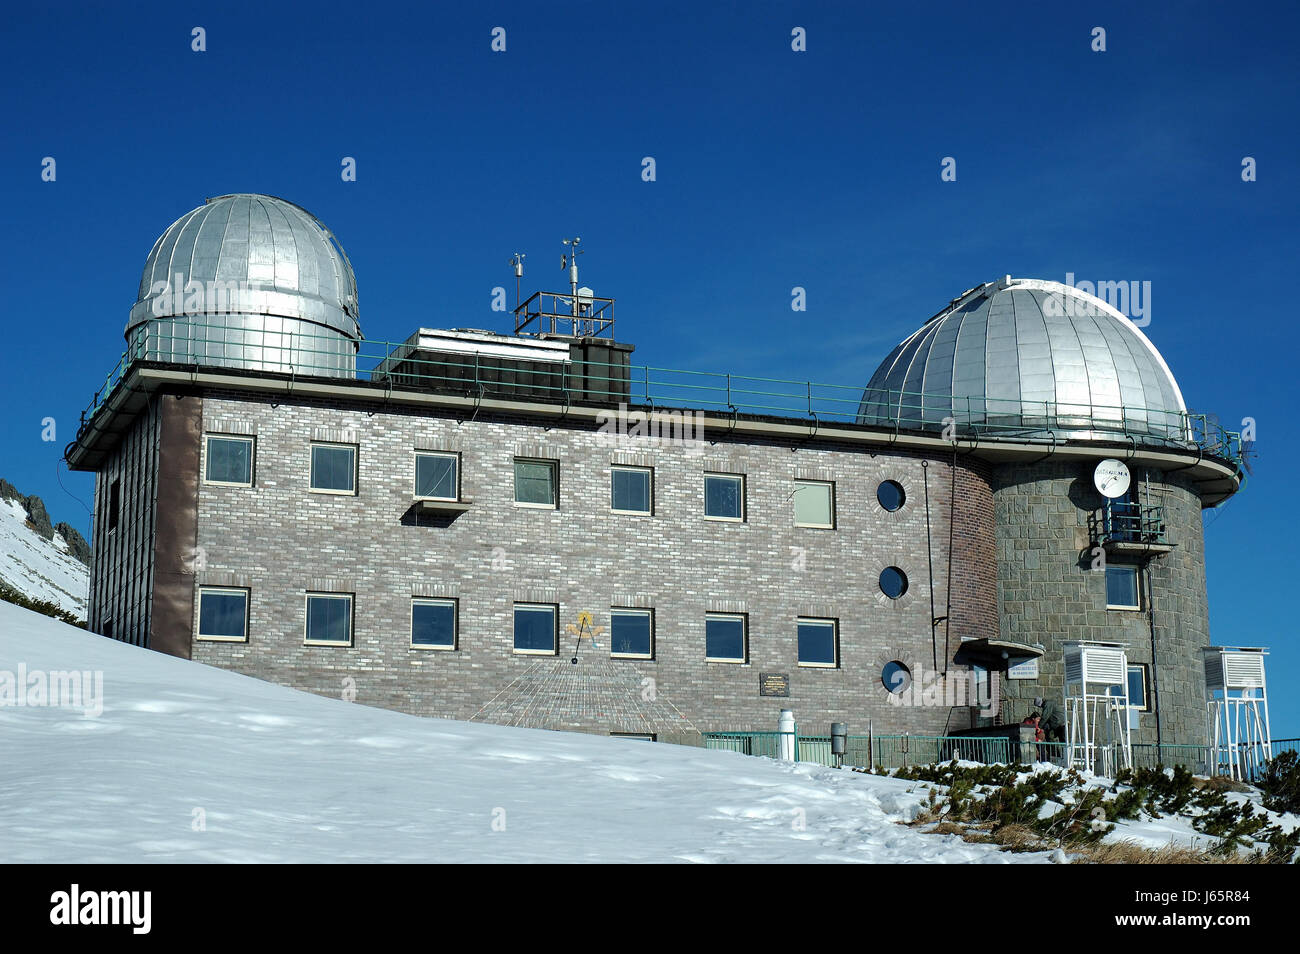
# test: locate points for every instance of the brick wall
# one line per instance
(281, 540)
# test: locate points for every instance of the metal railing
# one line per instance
(1124, 521)
(213, 344)
(900, 751)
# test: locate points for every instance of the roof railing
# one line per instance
(176, 343)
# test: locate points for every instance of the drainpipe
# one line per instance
(1155, 667)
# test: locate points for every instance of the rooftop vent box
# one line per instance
(474, 362)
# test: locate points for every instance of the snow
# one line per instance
(195, 764)
(41, 569)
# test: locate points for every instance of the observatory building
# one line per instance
(528, 528)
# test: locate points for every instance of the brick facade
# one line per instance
(280, 540)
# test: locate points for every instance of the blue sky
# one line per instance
(774, 169)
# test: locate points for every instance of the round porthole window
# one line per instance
(895, 676)
(891, 495)
(893, 582)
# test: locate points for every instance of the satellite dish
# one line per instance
(1111, 478)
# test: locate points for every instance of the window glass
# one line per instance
(230, 460)
(223, 614)
(893, 582)
(895, 676)
(724, 638)
(1122, 587)
(435, 476)
(817, 642)
(535, 482)
(890, 495)
(329, 619)
(433, 623)
(333, 467)
(630, 632)
(630, 489)
(535, 629)
(813, 505)
(723, 496)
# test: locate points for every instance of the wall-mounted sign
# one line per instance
(774, 684)
(1025, 669)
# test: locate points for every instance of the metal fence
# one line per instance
(189, 343)
(900, 751)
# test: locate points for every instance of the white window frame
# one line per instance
(650, 501)
(352, 618)
(455, 622)
(1137, 577)
(555, 483)
(1146, 687)
(220, 591)
(356, 469)
(744, 638)
(555, 629)
(415, 474)
(743, 508)
(834, 624)
(631, 611)
(252, 458)
(830, 489)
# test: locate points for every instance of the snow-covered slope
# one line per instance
(192, 763)
(39, 568)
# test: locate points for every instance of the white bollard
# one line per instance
(786, 742)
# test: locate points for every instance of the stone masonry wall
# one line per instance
(1048, 592)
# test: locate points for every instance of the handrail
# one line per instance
(177, 341)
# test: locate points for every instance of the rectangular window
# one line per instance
(229, 461)
(814, 504)
(329, 618)
(818, 646)
(724, 638)
(536, 629)
(1123, 590)
(114, 504)
(630, 489)
(1137, 688)
(631, 633)
(535, 483)
(223, 614)
(437, 476)
(334, 468)
(724, 496)
(433, 623)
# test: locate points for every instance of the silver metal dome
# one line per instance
(1029, 359)
(251, 281)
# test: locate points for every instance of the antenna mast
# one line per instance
(572, 262)
(518, 262)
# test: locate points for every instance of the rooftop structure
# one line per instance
(1033, 359)
(248, 281)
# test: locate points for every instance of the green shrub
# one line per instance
(1281, 783)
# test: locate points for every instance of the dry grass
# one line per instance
(1131, 853)
(1219, 783)
(1020, 838)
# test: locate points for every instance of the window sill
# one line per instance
(221, 639)
(436, 505)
